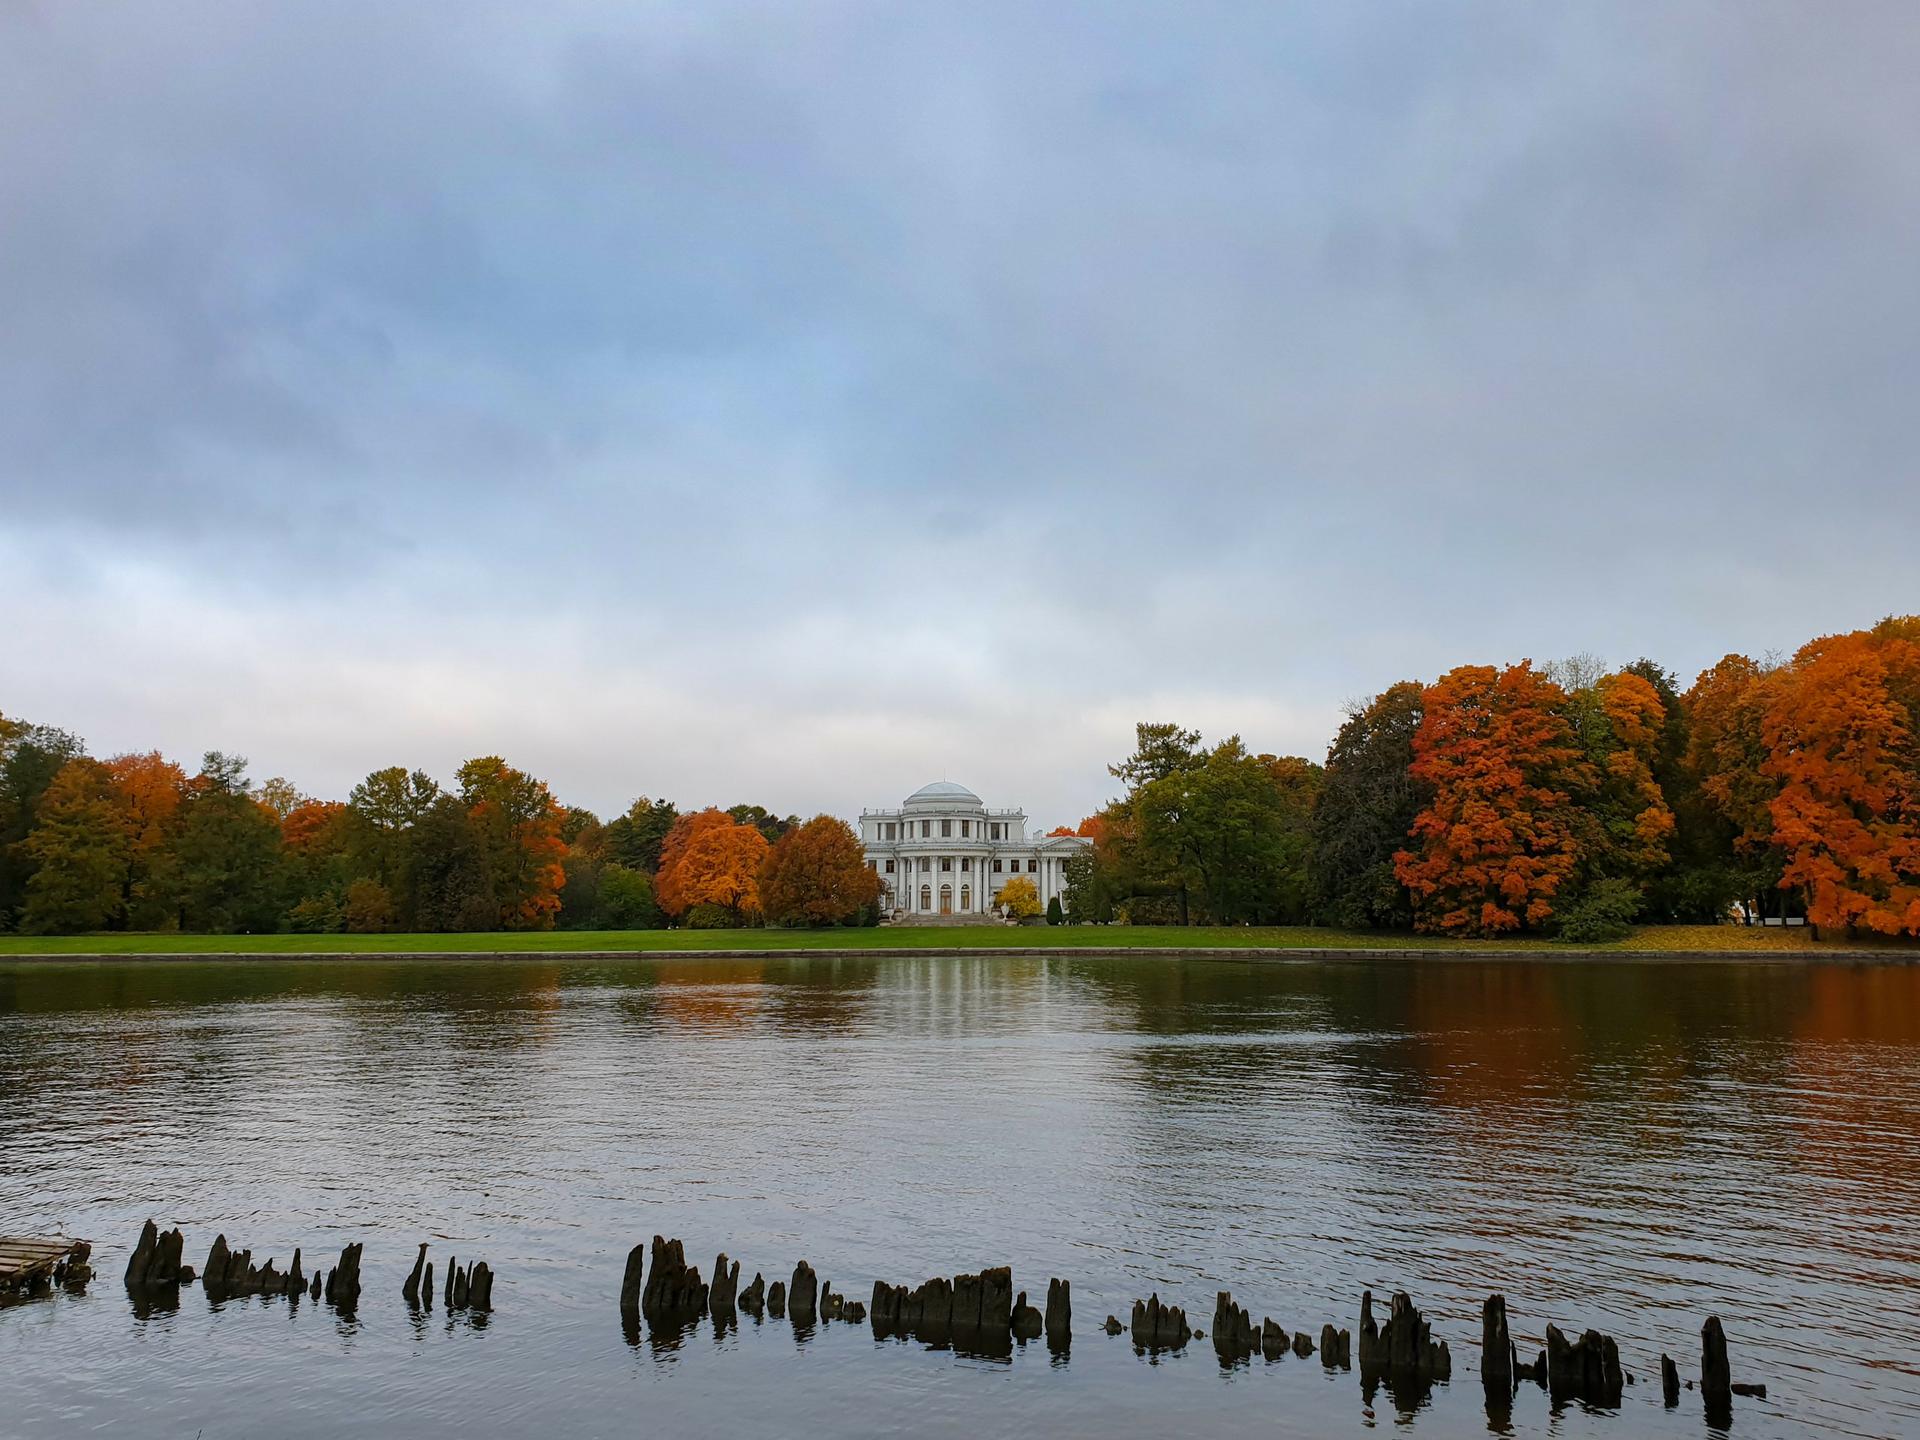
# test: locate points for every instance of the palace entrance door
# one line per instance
(946, 900)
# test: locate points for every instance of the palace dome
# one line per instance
(943, 792)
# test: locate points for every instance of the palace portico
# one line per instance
(943, 852)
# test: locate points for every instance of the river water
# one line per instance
(1628, 1146)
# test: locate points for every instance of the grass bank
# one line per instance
(1672, 939)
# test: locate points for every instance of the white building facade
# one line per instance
(944, 853)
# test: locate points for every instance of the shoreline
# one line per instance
(1256, 955)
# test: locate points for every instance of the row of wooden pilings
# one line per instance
(156, 1265)
(983, 1307)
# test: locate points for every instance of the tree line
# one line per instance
(1567, 800)
(134, 842)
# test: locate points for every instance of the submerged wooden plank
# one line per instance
(24, 1255)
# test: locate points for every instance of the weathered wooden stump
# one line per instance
(1404, 1349)
(1157, 1326)
(1059, 1317)
(630, 1279)
(1588, 1369)
(803, 1293)
(1233, 1333)
(411, 1290)
(674, 1289)
(1496, 1348)
(725, 1288)
(1716, 1375)
(1027, 1322)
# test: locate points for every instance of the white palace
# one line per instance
(944, 853)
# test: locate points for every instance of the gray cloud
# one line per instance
(793, 404)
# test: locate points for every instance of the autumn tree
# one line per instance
(1699, 882)
(78, 849)
(367, 908)
(817, 874)
(1621, 821)
(1843, 742)
(673, 849)
(709, 860)
(316, 851)
(280, 795)
(1496, 841)
(150, 793)
(519, 824)
(1726, 765)
(1019, 897)
(1364, 811)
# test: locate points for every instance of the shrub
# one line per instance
(705, 916)
(315, 915)
(1606, 911)
(1055, 915)
(369, 908)
(626, 900)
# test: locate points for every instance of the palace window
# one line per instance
(893, 831)
(966, 862)
(926, 897)
(994, 832)
(926, 829)
(996, 866)
(925, 864)
(946, 862)
(966, 897)
(889, 867)
(946, 829)
(966, 829)
(1033, 867)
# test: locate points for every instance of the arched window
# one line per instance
(966, 897)
(926, 897)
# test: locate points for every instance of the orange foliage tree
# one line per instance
(708, 859)
(1496, 841)
(308, 822)
(1727, 749)
(817, 874)
(519, 823)
(1843, 741)
(151, 790)
(1629, 803)
(673, 850)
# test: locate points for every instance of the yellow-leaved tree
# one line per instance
(1019, 899)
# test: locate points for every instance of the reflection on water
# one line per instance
(1620, 1146)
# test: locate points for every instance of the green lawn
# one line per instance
(1144, 937)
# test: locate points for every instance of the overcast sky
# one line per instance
(797, 403)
